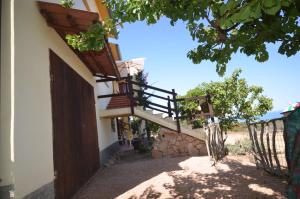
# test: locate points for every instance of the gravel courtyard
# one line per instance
(183, 177)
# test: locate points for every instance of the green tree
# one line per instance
(232, 99)
(135, 125)
(221, 27)
(189, 108)
(141, 78)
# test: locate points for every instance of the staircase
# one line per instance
(127, 103)
(168, 122)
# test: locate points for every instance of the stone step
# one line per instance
(169, 118)
(160, 115)
(168, 122)
(140, 107)
(149, 111)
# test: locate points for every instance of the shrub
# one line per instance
(241, 147)
(198, 123)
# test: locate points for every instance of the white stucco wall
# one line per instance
(32, 109)
(107, 136)
(5, 102)
(26, 115)
(78, 4)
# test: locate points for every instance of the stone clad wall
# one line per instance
(170, 144)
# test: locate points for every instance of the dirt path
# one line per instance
(183, 177)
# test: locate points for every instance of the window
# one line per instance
(113, 124)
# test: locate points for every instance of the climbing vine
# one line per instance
(92, 39)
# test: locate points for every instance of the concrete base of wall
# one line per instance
(5, 191)
(107, 153)
(45, 192)
(170, 144)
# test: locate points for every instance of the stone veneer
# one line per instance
(170, 144)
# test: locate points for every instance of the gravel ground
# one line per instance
(183, 177)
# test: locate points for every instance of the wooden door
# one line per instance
(75, 140)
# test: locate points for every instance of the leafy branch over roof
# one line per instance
(220, 27)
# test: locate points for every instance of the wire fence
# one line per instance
(268, 146)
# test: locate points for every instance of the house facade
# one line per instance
(51, 136)
(59, 105)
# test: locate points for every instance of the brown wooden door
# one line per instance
(75, 140)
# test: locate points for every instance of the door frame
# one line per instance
(84, 159)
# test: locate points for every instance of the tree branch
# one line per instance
(231, 28)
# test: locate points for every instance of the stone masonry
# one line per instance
(170, 144)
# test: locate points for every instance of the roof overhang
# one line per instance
(72, 21)
(115, 51)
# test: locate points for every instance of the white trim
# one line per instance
(12, 79)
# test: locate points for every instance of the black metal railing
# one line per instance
(139, 94)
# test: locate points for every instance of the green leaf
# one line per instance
(286, 3)
(67, 3)
(231, 4)
(91, 40)
(271, 7)
(221, 69)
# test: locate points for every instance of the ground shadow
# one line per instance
(237, 181)
(240, 181)
(117, 179)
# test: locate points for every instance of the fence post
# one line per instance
(269, 147)
(130, 93)
(176, 110)
(274, 146)
(263, 148)
(251, 135)
(169, 107)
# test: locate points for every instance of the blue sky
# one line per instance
(165, 49)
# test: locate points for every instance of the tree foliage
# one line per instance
(152, 127)
(141, 78)
(67, 3)
(222, 27)
(189, 108)
(135, 125)
(92, 39)
(233, 100)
